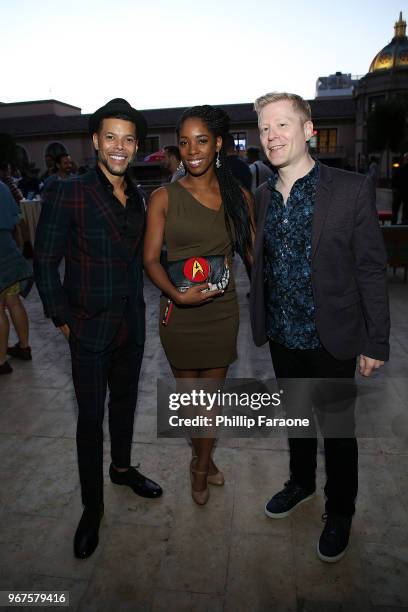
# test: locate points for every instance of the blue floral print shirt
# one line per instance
(289, 305)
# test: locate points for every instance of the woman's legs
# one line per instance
(185, 375)
(204, 461)
(202, 446)
(19, 317)
(4, 332)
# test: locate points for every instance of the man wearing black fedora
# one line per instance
(96, 222)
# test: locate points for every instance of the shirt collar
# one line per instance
(108, 185)
(311, 176)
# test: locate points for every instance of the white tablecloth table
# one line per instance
(31, 210)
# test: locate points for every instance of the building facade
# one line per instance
(339, 112)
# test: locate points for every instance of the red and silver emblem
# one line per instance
(196, 269)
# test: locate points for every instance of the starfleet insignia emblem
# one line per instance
(196, 269)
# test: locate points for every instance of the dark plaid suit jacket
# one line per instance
(102, 277)
(348, 267)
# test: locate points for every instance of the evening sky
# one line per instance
(162, 53)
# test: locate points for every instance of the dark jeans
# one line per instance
(118, 368)
(341, 454)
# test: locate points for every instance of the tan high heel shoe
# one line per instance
(200, 497)
(213, 479)
(216, 479)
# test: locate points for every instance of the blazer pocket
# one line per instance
(348, 300)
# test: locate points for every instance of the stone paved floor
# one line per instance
(168, 554)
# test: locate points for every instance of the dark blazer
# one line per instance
(101, 276)
(348, 267)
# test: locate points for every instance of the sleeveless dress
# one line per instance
(204, 336)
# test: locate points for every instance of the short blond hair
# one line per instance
(299, 104)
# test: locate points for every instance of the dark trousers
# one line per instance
(341, 454)
(116, 367)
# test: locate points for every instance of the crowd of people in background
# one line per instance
(28, 183)
(249, 167)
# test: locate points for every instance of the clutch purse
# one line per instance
(185, 273)
(213, 270)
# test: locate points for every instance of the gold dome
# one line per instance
(395, 54)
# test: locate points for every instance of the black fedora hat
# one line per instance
(119, 106)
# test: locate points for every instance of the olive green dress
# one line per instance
(204, 336)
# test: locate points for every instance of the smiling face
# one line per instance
(198, 146)
(284, 133)
(116, 144)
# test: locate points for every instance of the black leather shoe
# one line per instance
(136, 481)
(87, 534)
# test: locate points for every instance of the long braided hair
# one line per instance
(237, 219)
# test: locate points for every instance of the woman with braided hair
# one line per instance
(203, 218)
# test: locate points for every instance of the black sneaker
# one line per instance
(334, 540)
(283, 503)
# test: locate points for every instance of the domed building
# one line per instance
(387, 79)
(395, 54)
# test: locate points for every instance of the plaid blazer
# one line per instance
(102, 277)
